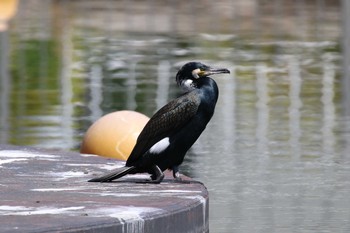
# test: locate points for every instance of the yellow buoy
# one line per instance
(8, 9)
(114, 135)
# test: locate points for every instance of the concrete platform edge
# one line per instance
(46, 191)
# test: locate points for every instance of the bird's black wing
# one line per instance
(170, 118)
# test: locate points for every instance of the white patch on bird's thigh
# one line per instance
(160, 146)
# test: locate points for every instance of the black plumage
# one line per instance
(174, 128)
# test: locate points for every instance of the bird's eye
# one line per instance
(195, 73)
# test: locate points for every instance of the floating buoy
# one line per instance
(114, 135)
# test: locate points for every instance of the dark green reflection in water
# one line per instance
(34, 90)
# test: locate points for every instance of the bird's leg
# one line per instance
(176, 173)
(157, 176)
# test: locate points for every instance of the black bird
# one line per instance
(172, 130)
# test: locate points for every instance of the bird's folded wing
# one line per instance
(167, 120)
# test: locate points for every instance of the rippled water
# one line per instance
(276, 155)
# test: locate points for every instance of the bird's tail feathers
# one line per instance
(114, 174)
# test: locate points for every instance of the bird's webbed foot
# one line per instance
(176, 173)
(156, 177)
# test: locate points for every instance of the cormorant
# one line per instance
(172, 130)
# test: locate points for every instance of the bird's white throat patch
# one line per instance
(160, 146)
(188, 84)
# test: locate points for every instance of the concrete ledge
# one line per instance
(43, 191)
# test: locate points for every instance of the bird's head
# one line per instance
(190, 74)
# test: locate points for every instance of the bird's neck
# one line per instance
(209, 89)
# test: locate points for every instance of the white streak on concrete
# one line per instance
(66, 175)
(197, 197)
(111, 166)
(120, 194)
(171, 191)
(78, 165)
(4, 161)
(58, 189)
(12, 208)
(124, 212)
(88, 155)
(24, 211)
(24, 154)
(50, 210)
(11, 156)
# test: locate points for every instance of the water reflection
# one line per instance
(5, 82)
(275, 156)
(295, 83)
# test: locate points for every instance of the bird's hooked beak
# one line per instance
(210, 71)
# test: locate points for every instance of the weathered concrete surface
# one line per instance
(44, 191)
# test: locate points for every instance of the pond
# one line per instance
(276, 155)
